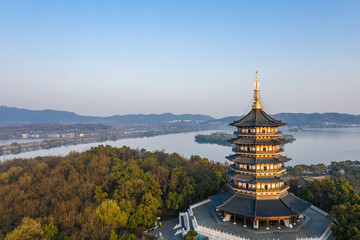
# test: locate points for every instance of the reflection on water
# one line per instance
(312, 146)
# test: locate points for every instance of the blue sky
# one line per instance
(118, 57)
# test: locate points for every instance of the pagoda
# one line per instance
(258, 189)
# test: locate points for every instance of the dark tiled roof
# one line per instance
(287, 205)
(248, 141)
(240, 204)
(295, 203)
(220, 198)
(273, 208)
(257, 117)
(252, 179)
(252, 160)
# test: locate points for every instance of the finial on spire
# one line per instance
(256, 82)
(256, 104)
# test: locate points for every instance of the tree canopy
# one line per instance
(103, 193)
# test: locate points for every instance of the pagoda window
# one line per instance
(247, 186)
(265, 168)
(264, 149)
(247, 167)
(263, 130)
(266, 187)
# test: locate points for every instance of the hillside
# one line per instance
(12, 116)
(100, 193)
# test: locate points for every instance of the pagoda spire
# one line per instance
(256, 104)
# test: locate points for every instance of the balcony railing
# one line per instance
(233, 167)
(234, 149)
(258, 133)
(284, 187)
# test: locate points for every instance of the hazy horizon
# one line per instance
(117, 58)
(159, 113)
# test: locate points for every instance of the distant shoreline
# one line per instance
(30, 146)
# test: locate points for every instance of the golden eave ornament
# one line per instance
(256, 104)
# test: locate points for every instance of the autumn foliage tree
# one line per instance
(103, 193)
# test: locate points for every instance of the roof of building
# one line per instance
(307, 180)
(249, 141)
(219, 199)
(286, 205)
(252, 179)
(257, 117)
(259, 160)
(295, 203)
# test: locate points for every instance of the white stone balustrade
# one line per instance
(216, 234)
(200, 203)
(319, 210)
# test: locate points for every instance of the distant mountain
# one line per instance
(12, 115)
(308, 119)
(17, 116)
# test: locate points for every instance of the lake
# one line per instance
(312, 146)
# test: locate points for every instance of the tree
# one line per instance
(347, 221)
(51, 231)
(147, 209)
(113, 235)
(28, 229)
(99, 194)
(110, 215)
(190, 235)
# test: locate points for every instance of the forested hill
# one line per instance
(100, 194)
(309, 119)
(11, 115)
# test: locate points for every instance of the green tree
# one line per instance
(99, 194)
(128, 237)
(51, 231)
(190, 235)
(110, 215)
(29, 229)
(147, 209)
(173, 201)
(347, 224)
(113, 235)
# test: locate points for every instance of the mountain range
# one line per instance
(17, 116)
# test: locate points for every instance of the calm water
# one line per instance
(7, 142)
(312, 146)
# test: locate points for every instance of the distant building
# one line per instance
(306, 180)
